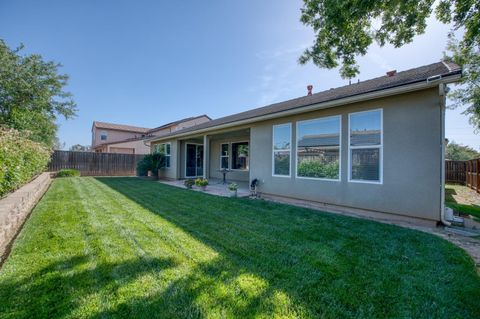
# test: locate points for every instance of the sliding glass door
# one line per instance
(194, 160)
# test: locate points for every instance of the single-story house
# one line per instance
(128, 139)
(375, 146)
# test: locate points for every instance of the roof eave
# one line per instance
(414, 86)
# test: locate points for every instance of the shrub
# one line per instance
(68, 173)
(189, 183)
(201, 182)
(311, 168)
(151, 162)
(232, 186)
(20, 159)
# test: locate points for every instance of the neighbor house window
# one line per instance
(224, 156)
(240, 155)
(103, 135)
(282, 140)
(318, 148)
(365, 143)
(164, 149)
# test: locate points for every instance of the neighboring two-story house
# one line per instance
(127, 139)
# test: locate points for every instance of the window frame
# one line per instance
(339, 179)
(169, 155)
(379, 147)
(231, 155)
(102, 135)
(227, 156)
(289, 124)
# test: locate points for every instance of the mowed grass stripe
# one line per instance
(150, 230)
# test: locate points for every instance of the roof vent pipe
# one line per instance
(309, 88)
(391, 73)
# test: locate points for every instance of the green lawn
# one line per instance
(463, 200)
(130, 248)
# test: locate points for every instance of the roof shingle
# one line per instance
(380, 83)
(120, 127)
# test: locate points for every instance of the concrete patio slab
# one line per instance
(215, 187)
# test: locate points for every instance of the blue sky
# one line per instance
(146, 63)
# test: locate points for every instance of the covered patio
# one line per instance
(214, 155)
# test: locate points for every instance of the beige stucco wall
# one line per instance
(411, 159)
(160, 132)
(215, 152)
(112, 136)
(172, 171)
(138, 146)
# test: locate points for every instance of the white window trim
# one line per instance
(380, 147)
(289, 125)
(231, 157)
(155, 148)
(169, 155)
(102, 134)
(339, 179)
(227, 156)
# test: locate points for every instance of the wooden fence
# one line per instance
(472, 174)
(464, 172)
(95, 164)
(455, 172)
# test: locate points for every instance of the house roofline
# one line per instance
(379, 93)
(191, 118)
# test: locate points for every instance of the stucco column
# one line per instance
(206, 156)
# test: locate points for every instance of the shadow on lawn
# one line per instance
(61, 287)
(271, 261)
(449, 195)
(293, 259)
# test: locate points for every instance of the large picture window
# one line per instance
(164, 149)
(224, 154)
(318, 148)
(365, 146)
(240, 155)
(282, 137)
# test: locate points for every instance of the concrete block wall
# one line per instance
(15, 208)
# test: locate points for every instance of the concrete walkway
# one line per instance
(215, 187)
(15, 208)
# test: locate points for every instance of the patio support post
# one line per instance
(206, 157)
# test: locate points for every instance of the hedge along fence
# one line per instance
(20, 160)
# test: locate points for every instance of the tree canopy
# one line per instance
(32, 94)
(344, 29)
(459, 152)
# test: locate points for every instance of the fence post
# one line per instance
(478, 175)
(470, 174)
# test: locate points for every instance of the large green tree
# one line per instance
(344, 29)
(459, 152)
(32, 94)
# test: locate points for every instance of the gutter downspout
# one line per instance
(442, 93)
(149, 146)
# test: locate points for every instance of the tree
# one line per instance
(459, 152)
(32, 94)
(345, 29)
(80, 148)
